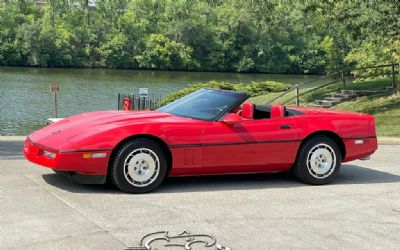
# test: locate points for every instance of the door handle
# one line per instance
(285, 126)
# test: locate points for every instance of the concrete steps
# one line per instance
(335, 99)
(325, 102)
(344, 95)
(314, 105)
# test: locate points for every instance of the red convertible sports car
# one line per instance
(207, 132)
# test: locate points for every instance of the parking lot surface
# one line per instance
(360, 210)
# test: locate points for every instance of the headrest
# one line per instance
(247, 110)
(278, 111)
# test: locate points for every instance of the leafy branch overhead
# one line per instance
(226, 35)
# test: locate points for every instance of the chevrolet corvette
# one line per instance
(207, 132)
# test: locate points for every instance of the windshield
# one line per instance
(204, 104)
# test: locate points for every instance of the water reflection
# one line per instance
(26, 100)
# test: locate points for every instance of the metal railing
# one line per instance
(341, 77)
(137, 102)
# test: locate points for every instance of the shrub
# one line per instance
(252, 88)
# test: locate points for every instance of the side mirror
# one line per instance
(231, 119)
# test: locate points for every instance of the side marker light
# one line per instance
(94, 155)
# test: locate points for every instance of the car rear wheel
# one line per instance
(139, 166)
(318, 161)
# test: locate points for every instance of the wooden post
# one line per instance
(343, 80)
(55, 105)
(133, 102)
(398, 82)
(297, 95)
(55, 87)
(119, 97)
(393, 77)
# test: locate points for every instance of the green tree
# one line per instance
(163, 53)
(223, 35)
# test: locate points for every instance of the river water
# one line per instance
(26, 100)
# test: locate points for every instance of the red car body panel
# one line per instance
(197, 147)
(252, 146)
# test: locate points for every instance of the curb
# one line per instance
(381, 140)
(388, 141)
(12, 138)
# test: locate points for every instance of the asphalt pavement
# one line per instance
(11, 150)
(360, 210)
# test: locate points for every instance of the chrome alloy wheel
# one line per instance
(321, 161)
(141, 167)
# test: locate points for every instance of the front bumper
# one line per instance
(68, 161)
(83, 178)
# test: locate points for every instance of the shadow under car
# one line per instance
(349, 174)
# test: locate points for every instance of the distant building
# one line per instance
(41, 3)
(92, 3)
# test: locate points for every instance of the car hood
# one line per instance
(60, 135)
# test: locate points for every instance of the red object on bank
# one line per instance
(127, 103)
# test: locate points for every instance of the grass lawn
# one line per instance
(385, 107)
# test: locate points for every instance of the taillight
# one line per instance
(49, 154)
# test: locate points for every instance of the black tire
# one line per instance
(305, 165)
(119, 174)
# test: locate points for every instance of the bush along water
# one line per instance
(252, 88)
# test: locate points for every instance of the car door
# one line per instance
(249, 146)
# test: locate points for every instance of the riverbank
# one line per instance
(162, 70)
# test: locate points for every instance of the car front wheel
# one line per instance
(139, 166)
(318, 161)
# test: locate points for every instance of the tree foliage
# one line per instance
(225, 35)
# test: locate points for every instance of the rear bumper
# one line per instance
(360, 148)
(71, 161)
